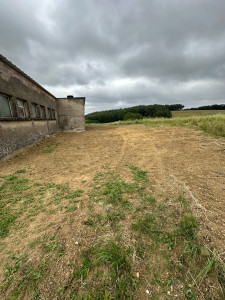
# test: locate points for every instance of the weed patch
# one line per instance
(146, 224)
(116, 280)
(23, 275)
(51, 147)
(6, 220)
(20, 196)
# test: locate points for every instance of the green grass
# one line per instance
(132, 232)
(20, 171)
(20, 196)
(116, 282)
(114, 217)
(211, 124)
(110, 188)
(160, 235)
(138, 174)
(146, 224)
(23, 276)
(50, 147)
(6, 220)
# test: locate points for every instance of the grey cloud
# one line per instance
(118, 53)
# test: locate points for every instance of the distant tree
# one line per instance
(163, 113)
(107, 116)
(132, 116)
(174, 107)
(210, 107)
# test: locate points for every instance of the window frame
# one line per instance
(24, 107)
(42, 109)
(10, 108)
(37, 110)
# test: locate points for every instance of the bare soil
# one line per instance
(177, 159)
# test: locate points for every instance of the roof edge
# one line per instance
(4, 59)
(71, 98)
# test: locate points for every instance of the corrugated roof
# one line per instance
(3, 58)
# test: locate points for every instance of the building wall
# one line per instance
(17, 134)
(17, 131)
(71, 113)
(7, 72)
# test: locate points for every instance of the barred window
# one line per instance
(42, 111)
(35, 110)
(22, 108)
(5, 109)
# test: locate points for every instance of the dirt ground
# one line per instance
(172, 156)
(177, 160)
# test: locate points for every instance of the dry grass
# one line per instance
(191, 113)
(210, 124)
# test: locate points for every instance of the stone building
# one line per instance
(28, 112)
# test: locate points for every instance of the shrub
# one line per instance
(163, 113)
(132, 116)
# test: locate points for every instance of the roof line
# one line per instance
(3, 58)
(71, 98)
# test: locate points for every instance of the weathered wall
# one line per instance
(14, 87)
(7, 72)
(17, 134)
(71, 113)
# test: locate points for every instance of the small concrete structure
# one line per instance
(70, 112)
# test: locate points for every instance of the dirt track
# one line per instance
(177, 159)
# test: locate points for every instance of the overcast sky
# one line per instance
(119, 53)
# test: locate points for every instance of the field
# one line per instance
(213, 124)
(116, 212)
(191, 113)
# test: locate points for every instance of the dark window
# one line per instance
(22, 108)
(42, 111)
(35, 110)
(49, 113)
(5, 109)
(53, 114)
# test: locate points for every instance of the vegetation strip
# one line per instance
(210, 124)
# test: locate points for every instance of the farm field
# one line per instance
(210, 124)
(191, 113)
(116, 212)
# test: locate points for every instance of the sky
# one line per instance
(119, 53)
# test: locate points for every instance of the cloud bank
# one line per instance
(120, 53)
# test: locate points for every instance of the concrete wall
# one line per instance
(71, 114)
(17, 131)
(16, 86)
(17, 134)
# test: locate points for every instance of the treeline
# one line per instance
(174, 107)
(210, 107)
(153, 111)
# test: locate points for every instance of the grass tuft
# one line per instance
(51, 147)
